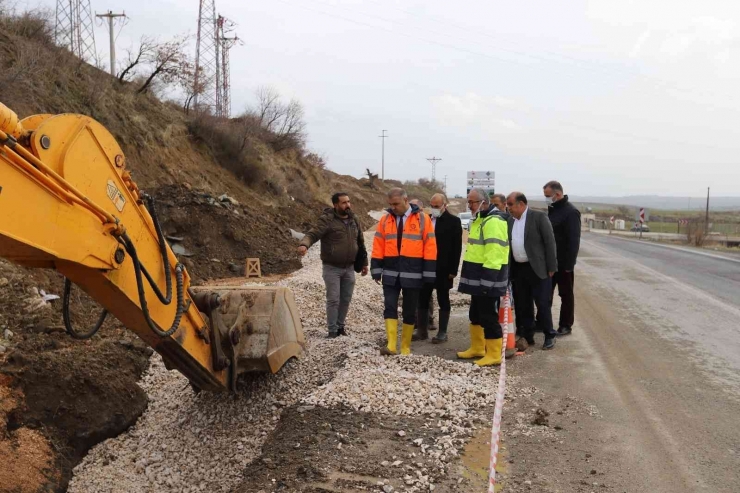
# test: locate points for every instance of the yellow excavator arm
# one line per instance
(67, 202)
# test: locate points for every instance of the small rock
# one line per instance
(2, 349)
(388, 488)
(226, 198)
(8, 334)
(402, 433)
(3, 281)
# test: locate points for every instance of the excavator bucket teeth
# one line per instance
(261, 327)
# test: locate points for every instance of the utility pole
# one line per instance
(706, 217)
(110, 16)
(445, 184)
(434, 161)
(382, 162)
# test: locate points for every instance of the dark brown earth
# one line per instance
(314, 449)
(67, 395)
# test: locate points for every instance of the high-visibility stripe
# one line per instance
(378, 234)
(489, 284)
(431, 235)
(474, 241)
(391, 236)
(429, 274)
(390, 273)
(376, 271)
(412, 237)
(471, 282)
(497, 241)
(410, 275)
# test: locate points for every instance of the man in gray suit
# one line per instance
(533, 263)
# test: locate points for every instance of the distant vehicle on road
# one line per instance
(645, 228)
(465, 218)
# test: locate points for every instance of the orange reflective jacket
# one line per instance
(416, 263)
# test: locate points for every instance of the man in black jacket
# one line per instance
(566, 224)
(342, 243)
(448, 233)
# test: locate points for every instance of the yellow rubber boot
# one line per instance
(477, 344)
(391, 330)
(493, 353)
(406, 333)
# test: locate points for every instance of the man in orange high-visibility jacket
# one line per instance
(404, 257)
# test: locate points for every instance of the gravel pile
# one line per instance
(187, 442)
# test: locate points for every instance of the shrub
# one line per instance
(231, 144)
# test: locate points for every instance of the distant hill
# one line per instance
(664, 203)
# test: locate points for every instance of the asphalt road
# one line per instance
(656, 351)
(691, 297)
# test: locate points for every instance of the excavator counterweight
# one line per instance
(68, 202)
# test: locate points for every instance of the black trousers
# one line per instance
(530, 290)
(564, 282)
(443, 297)
(410, 302)
(484, 312)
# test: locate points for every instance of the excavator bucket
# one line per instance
(260, 328)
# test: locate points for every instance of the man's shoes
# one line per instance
(521, 344)
(341, 331)
(530, 340)
(332, 335)
(565, 331)
(549, 343)
(422, 326)
(444, 320)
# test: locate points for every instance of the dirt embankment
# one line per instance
(58, 397)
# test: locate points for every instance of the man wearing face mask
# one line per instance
(566, 224)
(341, 244)
(485, 276)
(430, 308)
(448, 235)
(404, 258)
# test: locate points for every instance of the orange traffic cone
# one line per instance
(511, 332)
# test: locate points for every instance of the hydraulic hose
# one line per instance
(167, 299)
(138, 267)
(68, 321)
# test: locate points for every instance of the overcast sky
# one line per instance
(609, 97)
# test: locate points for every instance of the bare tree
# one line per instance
(136, 58)
(290, 128)
(282, 123)
(186, 82)
(268, 106)
(166, 63)
(372, 178)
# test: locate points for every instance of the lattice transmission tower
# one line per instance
(226, 42)
(74, 28)
(206, 58)
(212, 86)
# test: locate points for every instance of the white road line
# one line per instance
(681, 285)
(680, 249)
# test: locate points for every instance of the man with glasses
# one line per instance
(485, 276)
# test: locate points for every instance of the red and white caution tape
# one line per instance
(499, 406)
